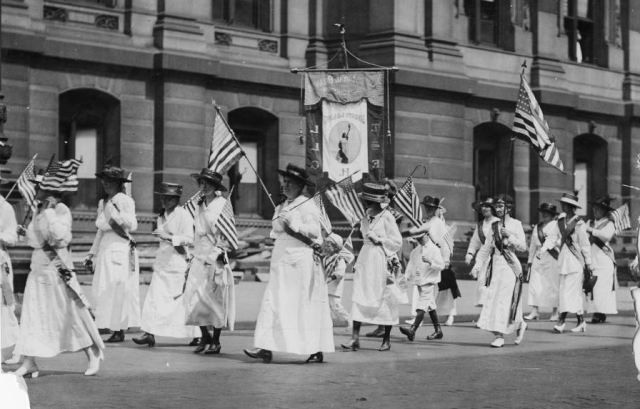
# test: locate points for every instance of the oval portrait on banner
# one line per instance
(344, 142)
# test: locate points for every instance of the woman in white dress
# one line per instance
(54, 318)
(601, 231)
(544, 280)
(116, 282)
(480, 234)
(163, 311)
(294, 316)
(373, 301)
(209, 294)
(8, 237)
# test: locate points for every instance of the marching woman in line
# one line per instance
(294, 316)
(8, 237)
(116, 278)
(163, 314)
(575, 256)
(544, 280)
(480, 234)
(209, 293)
(498, 254)
(54, 320)
(372, 299)
(601, 231)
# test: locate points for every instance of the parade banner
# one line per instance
(344, 112)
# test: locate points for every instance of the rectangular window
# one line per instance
(491, 23)
(244, 13)
(584, 25)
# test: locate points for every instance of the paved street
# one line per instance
(548, 370)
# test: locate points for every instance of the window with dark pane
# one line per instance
(244, 13)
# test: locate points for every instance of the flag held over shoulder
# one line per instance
(530, 126)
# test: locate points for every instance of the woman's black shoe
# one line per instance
(386, 346)
(265, 354)
(353, 345)
(201, 346)
(117, 336)
(194, 342)
(214, 349)
(598, 318)
(317, 357)
(146, 339)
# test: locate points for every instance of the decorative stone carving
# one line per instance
(269, 46)
(223, 39)
(107, 22)
(55, 13)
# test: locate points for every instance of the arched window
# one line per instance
(257, 131)
(89, 128)
(491, 149)
(590, 153)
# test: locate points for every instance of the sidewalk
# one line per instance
(249, 297)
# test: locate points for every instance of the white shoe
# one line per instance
(554, 318)
(94, 362)
(27, 370)
(497, 343)
(559, 328)
(410, 322)
(532, 316)
(449, 321)
(580, 328)
(520, 333)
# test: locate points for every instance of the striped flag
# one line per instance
(620, 218)
(192, 204)
(226, 223)
(225, 150)
(343, 195)
(530, 126)
(324, 219)
(408, 202)
(28, 189)
(62, 176)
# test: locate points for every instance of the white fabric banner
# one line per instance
(344, 139)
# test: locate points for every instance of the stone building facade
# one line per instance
(132, 81)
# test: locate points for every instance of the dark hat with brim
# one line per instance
(297, 173)
(488, 202)
(170, 189)
(604, 203)
(571, 200)
(211, 176)
(113, 173)
(548, 208)
(430, 201)
(374, 192)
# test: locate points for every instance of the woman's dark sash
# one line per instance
(480, 231)
(554, 253)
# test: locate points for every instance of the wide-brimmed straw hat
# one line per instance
(337, 240)
(374, 192)
(548, 208)
(604, 203)
(170, 189)
(430, 201)
(570, 199)
(113, 173)
(211, 176)
(297, 173)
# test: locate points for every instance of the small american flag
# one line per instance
(28, 189)
(225, 150)
(343, 195)
(530, 126)
(324, 219)
(620, 218)
(192, 204)
(62, 176)
(226, 223)
(408, 202)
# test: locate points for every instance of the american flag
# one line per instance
(192, 204)
(530, 126)
(408, 202)
(28, 189)
(447, 235)
(225, 150)
(620, 218)
(62, 176)
(226, 223)
(324, 219)
(343, 196)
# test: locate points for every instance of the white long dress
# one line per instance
(8, 237)
(52, 322)
(294, 316)
(604, 292)
(209, 294)
(116, 285)
(571, 269)
(373, 301)
(544, 280)
(162, 313)
(495, 314)
(475, 244)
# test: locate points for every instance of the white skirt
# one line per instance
(571, 298)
